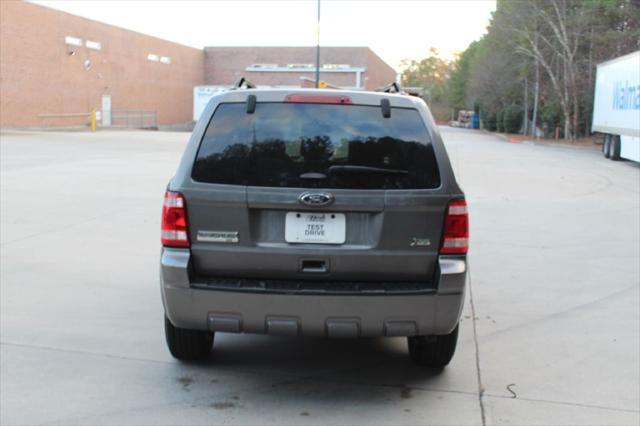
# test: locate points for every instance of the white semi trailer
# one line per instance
(616, 107)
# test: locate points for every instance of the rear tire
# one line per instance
(615, 148)
(187, 345)
(606, 146)
(433, 351)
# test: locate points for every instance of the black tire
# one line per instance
(433, 351)
(606, 146)
(614, 152)
(187, 345)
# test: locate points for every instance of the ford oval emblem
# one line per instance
(316, 198)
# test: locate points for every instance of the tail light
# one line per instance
(317, 99)
(175, 232)
(456, 229)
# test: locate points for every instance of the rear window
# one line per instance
(317, 146)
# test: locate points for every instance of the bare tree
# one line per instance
(548, 41)
(559, 42)
(536, 99)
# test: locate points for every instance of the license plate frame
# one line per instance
(315, 228)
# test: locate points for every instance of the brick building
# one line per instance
(348, 67)
(52, 62)
(56, 67)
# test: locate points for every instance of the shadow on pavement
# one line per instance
(382, 362)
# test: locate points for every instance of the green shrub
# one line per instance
(512, 119)
(550, 118)
(489, 120)
(499, 121)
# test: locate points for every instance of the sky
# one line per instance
(395, 30)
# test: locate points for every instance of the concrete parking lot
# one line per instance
(550, 332)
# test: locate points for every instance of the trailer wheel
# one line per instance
(606, 146)
(615, 148)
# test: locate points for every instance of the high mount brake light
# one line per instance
(175, 232)
(318, 99)
(456, 229)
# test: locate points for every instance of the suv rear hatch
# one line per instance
(315, 190)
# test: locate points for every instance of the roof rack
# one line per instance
(243, 82)
(391, 88)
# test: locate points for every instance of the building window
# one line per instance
(73, 41)
(93, 45)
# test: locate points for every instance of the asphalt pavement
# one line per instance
(550, 332)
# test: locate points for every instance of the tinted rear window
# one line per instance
(316, 145)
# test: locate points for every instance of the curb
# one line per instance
(540, 143)
(501, 136)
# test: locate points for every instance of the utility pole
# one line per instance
(318, 49)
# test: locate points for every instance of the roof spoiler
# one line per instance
(391, 88)
(243, 82)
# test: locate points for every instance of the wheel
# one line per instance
(433, 351)
(606, 146)
(614, 151)
(185, 344)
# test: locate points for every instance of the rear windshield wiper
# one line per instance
(364, 169)
(352, 169)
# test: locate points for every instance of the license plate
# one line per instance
(315, 228)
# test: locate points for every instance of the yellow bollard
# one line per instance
(93, 120)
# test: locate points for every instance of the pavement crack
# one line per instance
(80, 352)
(259, 371)
(391, 385)
(57, 230)
(573, 404)
(477, 349)
(559, 314)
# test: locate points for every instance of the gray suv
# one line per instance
(314, 212)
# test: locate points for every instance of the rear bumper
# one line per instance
(332, 315)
